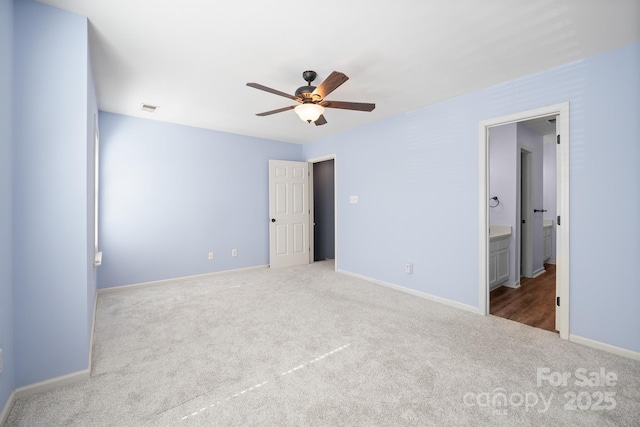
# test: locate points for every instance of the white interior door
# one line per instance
(288, 213)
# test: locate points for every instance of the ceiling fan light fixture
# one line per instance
(309, 112)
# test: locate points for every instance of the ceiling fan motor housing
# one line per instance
(306, 93)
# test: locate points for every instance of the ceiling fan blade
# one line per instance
(330, 84)
(279, 110)
(274, 91)
(321, 120)
(358, 106)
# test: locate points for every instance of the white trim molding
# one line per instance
(322, 158)
(538, 272)
(609, 348)
(434, 298)
(52, 383)
(510, 284)
(93, 330)
(7, 408)
(562, 236)
(174, 280)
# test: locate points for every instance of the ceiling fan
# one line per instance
(311, 99)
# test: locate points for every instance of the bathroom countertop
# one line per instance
(499, 232)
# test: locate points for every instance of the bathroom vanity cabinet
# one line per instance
(498, 260)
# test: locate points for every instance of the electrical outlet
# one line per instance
(210, 255)
(408, 268)
(234, 252)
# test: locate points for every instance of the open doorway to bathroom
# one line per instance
(524, 193)
(516, 178)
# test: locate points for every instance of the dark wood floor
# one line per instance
(533, 303)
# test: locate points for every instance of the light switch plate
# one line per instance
(353, 199)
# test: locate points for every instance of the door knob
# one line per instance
(273, 220)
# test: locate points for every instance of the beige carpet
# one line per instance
(309, 346)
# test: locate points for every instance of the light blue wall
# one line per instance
(416, 176)
(50, 192)
(7, 378)
(605, 189)
(170, 194)
(413, 175)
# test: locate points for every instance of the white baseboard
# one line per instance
(93, 329)
(605, 347)
(175, 279)
(420, 294)
(510, 284)
(7, 407)
(506, 284)
(52, 383)
(538, 272)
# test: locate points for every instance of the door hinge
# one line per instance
(558, 139)
(558, 301)
(558, 220)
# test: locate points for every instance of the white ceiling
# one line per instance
(193, 58)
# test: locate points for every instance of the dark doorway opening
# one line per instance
(324, 210)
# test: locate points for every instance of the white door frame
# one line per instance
(335, 207)
(562, 185)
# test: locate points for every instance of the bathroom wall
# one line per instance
(532, 142)
(503, 183)
(505, 145)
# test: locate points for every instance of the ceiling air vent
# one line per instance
(149, 108)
